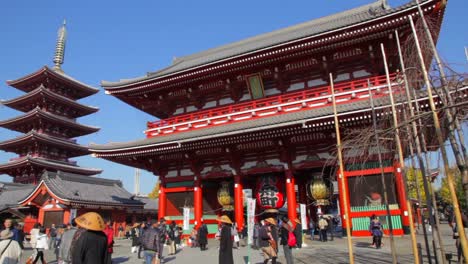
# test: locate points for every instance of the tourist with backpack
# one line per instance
(288, 239)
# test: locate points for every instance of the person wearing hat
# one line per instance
(267, 242)
(90, 246)
(225, 242)
(10, 250)
(298, 233)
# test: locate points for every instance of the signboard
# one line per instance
(303, 216)
(250, 219)
(186, 218)
(247, 195)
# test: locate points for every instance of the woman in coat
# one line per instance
(203, 236)
(298, 233)
(376, 229)
(225, 243)
(135, 235)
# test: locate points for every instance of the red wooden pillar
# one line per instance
(402, 198)
(291, 196)
(198, 202)
(162, 201)
(341, 199)
(238, 203)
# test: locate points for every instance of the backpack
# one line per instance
(147, 240)
(291, 239)
(264, 233)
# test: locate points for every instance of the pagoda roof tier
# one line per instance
(28, 161)
(367, 19)
(83, 190)
(37, 116)
(43, 96)
(47, 76)
(311, 118)
(73, 149)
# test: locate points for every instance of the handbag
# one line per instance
(236, 238)
(291, 239)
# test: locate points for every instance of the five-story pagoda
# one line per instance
(49, 123)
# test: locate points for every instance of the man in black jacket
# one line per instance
(151, 242)
(90, 246)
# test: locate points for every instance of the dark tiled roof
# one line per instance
(12, 193)
(247, 126)
(150, 204)
(91, 190)
(46, 164)
(35, 136)
(297, 32)
(39, 113)
(85, 89)
(40, 92)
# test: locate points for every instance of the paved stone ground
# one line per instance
(315, 252)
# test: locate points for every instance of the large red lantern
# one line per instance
(270, 193)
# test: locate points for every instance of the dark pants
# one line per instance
(140, 249)
(39, 254)
(377, 241)
(323, 233)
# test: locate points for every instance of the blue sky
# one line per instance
(111, 40)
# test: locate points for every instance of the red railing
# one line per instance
(264, 107)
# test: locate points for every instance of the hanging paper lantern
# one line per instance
(269, 195)
(225, 197)
(320, 192)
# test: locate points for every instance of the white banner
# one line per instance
(186, 218)
(250, 219)
(73, 213)
(303, 216)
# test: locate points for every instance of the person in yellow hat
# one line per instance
(90, 244)
(267, 242)
(225, 242)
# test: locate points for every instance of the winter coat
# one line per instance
(41, 241)
(12, 253)
(225, 246)
(298, 234)
(202, 235)
(65, 244)
(90, 248)
(375, 228)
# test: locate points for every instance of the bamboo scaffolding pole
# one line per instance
(462, 160)
(342, 176)
(450, 181)
(401, 159)
(382, 178)
(416, 138)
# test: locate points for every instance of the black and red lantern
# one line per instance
(270, 193)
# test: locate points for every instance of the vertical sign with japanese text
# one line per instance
(250, 219)
(303, 216)
(186, 218)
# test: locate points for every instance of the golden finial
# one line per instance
(60, 47)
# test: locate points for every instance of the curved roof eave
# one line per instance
(362, 14)
(44, 69)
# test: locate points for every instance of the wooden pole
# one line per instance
(450, 181)
(342, 176)
(382, 179)
(462, 160)
(401, 160)
(418, 145)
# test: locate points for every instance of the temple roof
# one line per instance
(45, 164)
(45, 74)
(294, 118)
(11, 144)
(23, 103)
(37, 114)
(150, 204)
(75, 188)
(313, 28)
(12, 193)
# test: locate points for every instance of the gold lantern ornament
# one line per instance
(225, 198)
(320, 192)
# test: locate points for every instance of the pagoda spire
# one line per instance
(60, 47)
